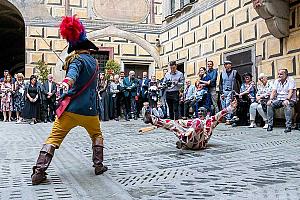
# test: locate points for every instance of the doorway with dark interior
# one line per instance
(12, 34)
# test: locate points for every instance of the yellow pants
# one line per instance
(67, 121)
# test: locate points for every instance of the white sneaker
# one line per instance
(252, 125)
(265, 126)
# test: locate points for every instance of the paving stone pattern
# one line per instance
(239, 163)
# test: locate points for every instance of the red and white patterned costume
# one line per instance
(193, 134)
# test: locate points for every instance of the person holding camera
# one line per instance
(173, 81)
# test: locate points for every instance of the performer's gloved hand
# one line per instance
(65, 87)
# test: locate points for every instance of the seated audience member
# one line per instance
(283, 95)
(188, 98)
(200, 97)
(158, 112)
(245, 98)
(263, 94)
(145, 108)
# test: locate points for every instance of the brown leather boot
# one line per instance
(98, 157)
(42, 163)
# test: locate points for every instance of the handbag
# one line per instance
(64, 102)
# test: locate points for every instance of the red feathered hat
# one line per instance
(74, 32)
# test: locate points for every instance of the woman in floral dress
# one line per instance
(19, 95)
(6, 100)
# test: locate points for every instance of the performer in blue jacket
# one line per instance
(80, 67)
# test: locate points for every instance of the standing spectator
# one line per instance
(246, 97)
(230, 82)
(115, 90)
(123, 99)
(18, 99)
(283, 95)
(5, 73)
(153, 92)
(103, 98)
(143, 90)
(262, 96)
(131, 84)
(162, 95)
(213, 74)
(7, 99)
(49, 90)
(188, 97)
(173, 81)
(31, 106)
(205, 81)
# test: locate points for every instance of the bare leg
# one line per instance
(4, 115)
(9, 116)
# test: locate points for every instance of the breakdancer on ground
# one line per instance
(192, 134)
(80, 87)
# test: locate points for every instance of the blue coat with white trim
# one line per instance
(81, 70)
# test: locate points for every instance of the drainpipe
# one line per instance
(67, 8)
(152, 19)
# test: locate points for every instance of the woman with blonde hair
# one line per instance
(6, 100)
(19, 89)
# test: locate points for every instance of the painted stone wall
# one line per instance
(228, 26)
(42, 33)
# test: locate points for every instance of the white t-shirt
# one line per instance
(282, 89)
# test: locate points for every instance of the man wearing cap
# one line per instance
(81, 72)
(173, 81)
(229, 85)
(283, 95)
(262, 96)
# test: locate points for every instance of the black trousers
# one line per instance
(173, 103)
(48, 103)
(116, 106)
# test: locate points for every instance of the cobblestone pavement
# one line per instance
(239, 163)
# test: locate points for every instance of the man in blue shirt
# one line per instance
(213, 74)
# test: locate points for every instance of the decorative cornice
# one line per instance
(98, 24)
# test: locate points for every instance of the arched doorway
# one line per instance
(12, 34)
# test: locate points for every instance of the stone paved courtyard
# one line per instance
(240, 163)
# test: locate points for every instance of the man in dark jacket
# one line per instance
(49, 92)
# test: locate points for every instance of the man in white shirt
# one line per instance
(283, 95)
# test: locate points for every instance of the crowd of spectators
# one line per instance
(120, 96)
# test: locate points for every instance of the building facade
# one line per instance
(256, 35)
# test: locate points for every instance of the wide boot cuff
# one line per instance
(48, 148)
(98, 142)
